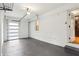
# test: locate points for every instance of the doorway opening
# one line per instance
(75, 25)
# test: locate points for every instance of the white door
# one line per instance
(13, 30)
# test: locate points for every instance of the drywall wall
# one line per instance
(0, 36)
(23, 31)
(1, 30)
(53, 27)
(5, 28)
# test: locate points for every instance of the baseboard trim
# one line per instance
(35, 39)
(10, 40)
(17, 39)
(46, 42)
(25, 38)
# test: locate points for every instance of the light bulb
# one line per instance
(28, 13)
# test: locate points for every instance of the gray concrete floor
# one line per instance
(32, 47)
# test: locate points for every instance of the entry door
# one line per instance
(77, 27)
(13, 30)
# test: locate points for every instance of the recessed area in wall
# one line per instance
(75, 15)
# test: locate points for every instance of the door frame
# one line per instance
(71, 18)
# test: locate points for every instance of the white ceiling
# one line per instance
(38, 8)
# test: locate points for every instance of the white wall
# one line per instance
(5, 28)
(23, 32)
(52, 29)
(52, 26)
(1, 30)
(0, 37)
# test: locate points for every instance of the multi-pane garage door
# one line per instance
(13, 30)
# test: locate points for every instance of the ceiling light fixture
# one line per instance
(28, 11)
